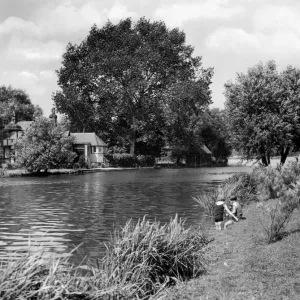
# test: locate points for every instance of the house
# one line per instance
(90, 146)
(11, 132)
(200, 157)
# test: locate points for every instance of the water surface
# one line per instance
(60, 212)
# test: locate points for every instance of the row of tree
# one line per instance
(139, 87)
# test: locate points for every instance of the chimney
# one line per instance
(53, 117)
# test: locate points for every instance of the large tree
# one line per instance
(44, 146)
(263, 111)
(118, 81)
(16, 102)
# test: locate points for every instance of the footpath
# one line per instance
(244, 266)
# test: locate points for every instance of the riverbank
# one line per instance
(21, 172)
(244, 266)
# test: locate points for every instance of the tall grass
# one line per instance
(242, 185)
(141, 260)
(274, 216)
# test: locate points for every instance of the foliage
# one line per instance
(207, 201)
(276, 215)
(215, 134)
(140, 261)
(275, 181)
(243, 186)
(82, 162)
(44, 147)
(121, 160)
(133, 82)
(263, 111)
(145, 160)
(16, 101)
(153, 256)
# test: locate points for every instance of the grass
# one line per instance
(141, 260)
(245, 266)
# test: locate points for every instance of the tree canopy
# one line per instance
(132, 83)
(16, 101)
(263, 111)
(44, 146)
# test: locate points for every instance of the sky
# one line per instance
(229, 35)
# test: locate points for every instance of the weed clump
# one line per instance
(140, 261)
(275, 215)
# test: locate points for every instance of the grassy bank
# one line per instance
(258, 257)
(245, 266)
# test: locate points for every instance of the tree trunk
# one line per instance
(268, 159)
(283, 155)
(132, 142)
(264, 160)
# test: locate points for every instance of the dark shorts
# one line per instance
(218, 220)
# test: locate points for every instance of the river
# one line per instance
(60, 212)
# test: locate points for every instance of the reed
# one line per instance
(207, 201)
(140, 261)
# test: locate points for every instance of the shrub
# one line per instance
(145, 160)
(121, 160)
(82, 162)
(151, 256)
(242, 185)
(274, 216)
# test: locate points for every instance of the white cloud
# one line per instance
(275, 34)
(177, 14)
(118, 12)
(270, 19)
(234, 40)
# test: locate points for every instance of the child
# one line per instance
(236, 210)
(220, 208)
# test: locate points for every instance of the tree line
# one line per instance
(141, 89)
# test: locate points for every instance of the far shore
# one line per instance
(233, 161)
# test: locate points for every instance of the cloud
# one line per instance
(275, 33)
(118, 12)
(233, 40)
(35, 50)
(177, 14)
(272, 18)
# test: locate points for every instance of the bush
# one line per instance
(121, 160)
(242, 185)
(82, 162)
(151, 256)
(275, 215)
(145, 160)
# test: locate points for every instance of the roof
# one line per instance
(88, 138)
(12, 127)
(205, 149)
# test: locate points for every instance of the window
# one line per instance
(94, 149)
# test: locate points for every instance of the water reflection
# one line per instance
(61, 212)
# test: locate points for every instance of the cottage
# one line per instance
(199, 157)
(11, 132)
(90, 146)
